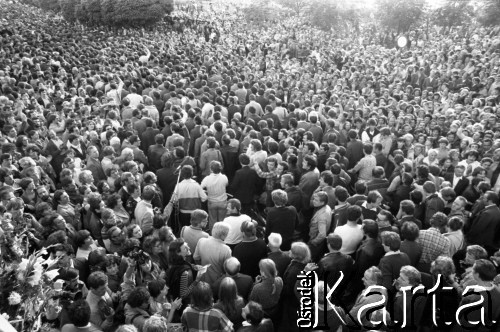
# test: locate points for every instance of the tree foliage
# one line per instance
(259, 11)
(138, 12)
(400, 15)
(50, 5)
(453, 13)
(488, 12)
(339, 15)
(122, 13)
(299, 7)
(68, 9)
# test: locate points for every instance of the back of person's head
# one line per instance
(370, 228)
(408, 207)
(148, 193)
(220, 230)
(155, 324)
(439, 220)
(455, 223)
(187, 172)
(79, 313)
(342, 194)
(201, 296)
(138, 297)
(391, 240)
(373, 196)
(197, 217)
(249, 228)
(334, 241)
(410, 231)
(279, 197)
(232, 266)
(97, 279)
(215, 167)
(244, 159)
(155, 287)
(360, 188)
(275, 240)
(416, 197)
(234, 203)
(378, 172)
(429, 187)
(354, 212)
(300, 252)
(255, 314)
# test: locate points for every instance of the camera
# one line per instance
(138, 255)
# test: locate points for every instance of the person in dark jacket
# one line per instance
(393, 260)
(244, 186)
(332, 264)
(282, 219)
(485, 228)
(354, 149)
(251, 250)
(369, 253)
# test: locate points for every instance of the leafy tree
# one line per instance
(453, 13)
(400, 15)
(339, 15)
(138, 12)
(488, 12)
(258, 11)
(90, 12)
(297, 6)
(52, 5)
(68, 9)
(108, 11)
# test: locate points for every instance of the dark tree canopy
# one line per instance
(400, 15)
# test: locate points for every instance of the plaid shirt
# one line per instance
(194, 320)
(433, 245)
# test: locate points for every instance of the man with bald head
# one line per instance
(244, 282)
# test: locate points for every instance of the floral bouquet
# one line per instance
(26, 285)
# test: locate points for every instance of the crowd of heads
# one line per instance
(106, 136)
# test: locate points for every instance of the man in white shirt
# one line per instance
(134, 98)
(215, 184)
(234, 220)
(352, 232)
(116, 91)
(144, 210)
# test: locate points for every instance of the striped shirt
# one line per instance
(189, 194)
(194, 320)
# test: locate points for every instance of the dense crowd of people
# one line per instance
(185, 177)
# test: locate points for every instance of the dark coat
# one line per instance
(390, 265)
(485, 229)
(148, 138)
(282, 220)
(330, 267)
(245, 185)
(354, 152)
(462, 184)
